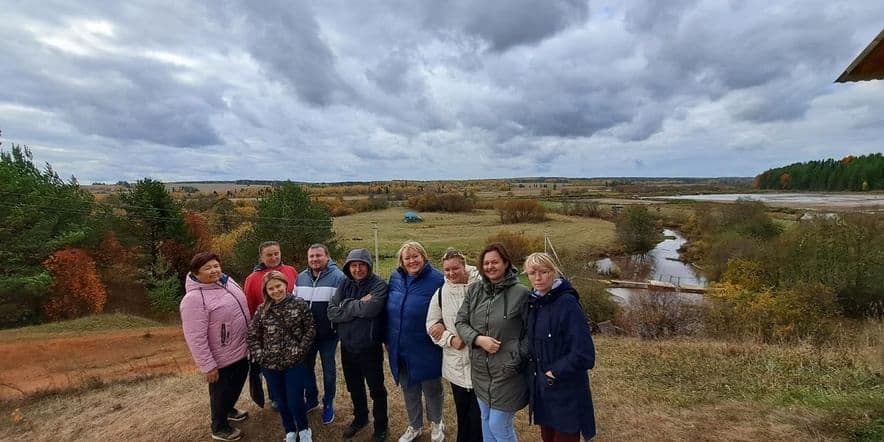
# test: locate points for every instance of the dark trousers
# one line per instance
(224, 392)
(288, 389)
(366, 367)
(548, 434)
(469, 419)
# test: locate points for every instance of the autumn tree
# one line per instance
(76, 288)
(198, 229)
(39, 214)
(785, 181)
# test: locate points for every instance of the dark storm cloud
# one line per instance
(392, 89)
(505, 23)
(285, 38)
(392, 74)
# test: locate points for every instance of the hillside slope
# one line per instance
(661, 390)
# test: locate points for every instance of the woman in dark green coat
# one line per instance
(490, 323)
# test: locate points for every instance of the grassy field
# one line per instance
(466, 231)
(643, 391)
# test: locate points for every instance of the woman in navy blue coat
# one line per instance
(560, 349)
(415, 361)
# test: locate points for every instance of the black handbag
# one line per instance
(256, 386)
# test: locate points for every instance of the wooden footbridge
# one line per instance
(652, 284)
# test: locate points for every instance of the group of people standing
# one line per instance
(501, 345)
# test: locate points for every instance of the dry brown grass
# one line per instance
(643, 390)
(175, 408)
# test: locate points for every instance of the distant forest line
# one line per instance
(852, 173)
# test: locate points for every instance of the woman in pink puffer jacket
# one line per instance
(214, 314)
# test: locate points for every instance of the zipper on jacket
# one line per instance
(223, 334)
(487, 356)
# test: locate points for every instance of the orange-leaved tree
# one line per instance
(76, 289)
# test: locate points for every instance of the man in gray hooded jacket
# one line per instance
(357, 310)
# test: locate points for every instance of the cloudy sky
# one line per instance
(337, 90)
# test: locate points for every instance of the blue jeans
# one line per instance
(497, 425)
(326, 349)
(287, 387)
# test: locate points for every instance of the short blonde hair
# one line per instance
(541, 259)
(412, 245)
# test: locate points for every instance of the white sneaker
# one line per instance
(438, 433)
(410, 434)
(305, 435)
(291, 437)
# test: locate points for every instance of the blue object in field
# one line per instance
(412, 217)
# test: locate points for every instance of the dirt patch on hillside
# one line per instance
(36, 366)
(175, 408)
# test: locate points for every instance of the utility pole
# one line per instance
(374, 226)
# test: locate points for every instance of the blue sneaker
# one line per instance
(328, 414)
(312, 405)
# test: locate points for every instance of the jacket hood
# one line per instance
(473, 271)
(361, 255)
(331, 267)
(560, 287)
(472, 275)
(191, 283)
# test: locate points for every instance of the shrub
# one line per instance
(76, 289)
(595, 300)
(637, 230)
(589, 209)
(844, 254)
(518, 244)
(446, 202)
(724, 247)
(521, 211)
(766, 315)
(342, 211)
(656, 314)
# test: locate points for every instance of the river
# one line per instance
(662, 263)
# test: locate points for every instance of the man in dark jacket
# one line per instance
(357, 311)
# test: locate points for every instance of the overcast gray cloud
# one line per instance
(341, 90)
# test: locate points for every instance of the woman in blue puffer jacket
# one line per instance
(415, 361)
